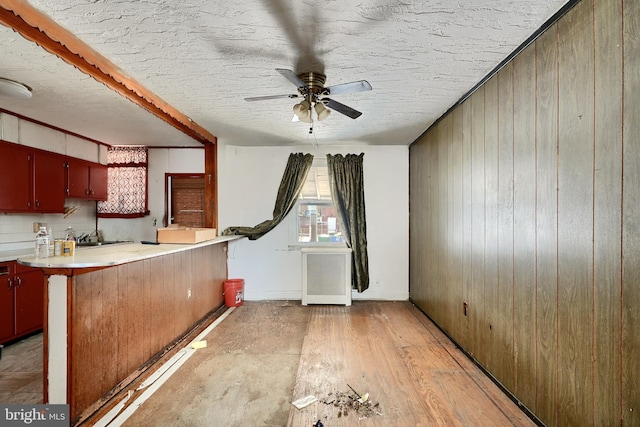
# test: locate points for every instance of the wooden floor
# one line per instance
(413, 374)
(267, 354)
(21, 371)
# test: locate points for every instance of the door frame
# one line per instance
(167, 190)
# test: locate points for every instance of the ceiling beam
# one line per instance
(40, 29)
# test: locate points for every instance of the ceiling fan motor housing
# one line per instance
(314, 84)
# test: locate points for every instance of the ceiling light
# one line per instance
(13, 89)
(322, 111)
(303, 111)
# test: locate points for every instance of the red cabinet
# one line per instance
(86, 180)
(15, 190)
(21, 300)
(48, 188)
(33, 180)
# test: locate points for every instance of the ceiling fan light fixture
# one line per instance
(13, 89)
(306, 118)
(302, 109)
(322, 111)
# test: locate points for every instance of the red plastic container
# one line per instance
(233, 292)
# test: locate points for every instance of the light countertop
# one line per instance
(115, 254)
(13, 255)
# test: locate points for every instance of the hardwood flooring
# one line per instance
(267, 354)
(414, 375)
(21, 371)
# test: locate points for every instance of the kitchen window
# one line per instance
(127, 183)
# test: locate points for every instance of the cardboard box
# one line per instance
(176, 234)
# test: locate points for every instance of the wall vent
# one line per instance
(326, 276)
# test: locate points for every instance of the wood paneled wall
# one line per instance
(120, 317)
(525, 208)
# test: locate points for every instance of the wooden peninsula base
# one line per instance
(112, 310)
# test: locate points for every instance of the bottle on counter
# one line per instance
(51, 242)
(69, 245)
(42, 243)
(70, 234)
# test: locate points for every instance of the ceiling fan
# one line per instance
(311, 88)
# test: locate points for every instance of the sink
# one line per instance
(106, 242)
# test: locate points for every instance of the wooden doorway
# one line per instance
(184, 200)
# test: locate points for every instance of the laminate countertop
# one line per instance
(115, 254)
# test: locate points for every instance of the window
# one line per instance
(316, 221)
(127, 183)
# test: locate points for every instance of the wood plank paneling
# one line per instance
(503, 318)
(442, 194)
(546, 224)
(467, 212)
(417, 254)
(575, 214)
(631, 218)
(136, 316)
(524, 225)
(432, 260)
(607, 210)
(565, 183)
(456, 252)
(81, 335)
(476, 290)
(491, 179)
(120, 317)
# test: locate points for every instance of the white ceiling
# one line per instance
(205, 57)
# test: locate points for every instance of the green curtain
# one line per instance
(293, 179)
(347, 190)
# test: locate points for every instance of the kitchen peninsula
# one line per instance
(111, 310)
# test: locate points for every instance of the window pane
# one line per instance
(317, 222)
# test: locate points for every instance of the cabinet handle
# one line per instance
(19, 281)
(10, 282)
(92, 192)
(37, 204)
(86, 191)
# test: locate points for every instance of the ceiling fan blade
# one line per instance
(292, 77)
(263, 98)
(359, 86)
(341, 108)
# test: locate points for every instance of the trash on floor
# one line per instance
(199, 344)
(353, 401)
(304, 401)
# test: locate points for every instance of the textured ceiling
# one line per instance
(205, 57)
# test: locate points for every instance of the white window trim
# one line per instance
(293, 229)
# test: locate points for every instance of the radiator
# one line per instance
(326, 276)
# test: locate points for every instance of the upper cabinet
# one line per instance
(86, 180)
(48, 170)
(33, 180)
(15, 191)
(37, 181)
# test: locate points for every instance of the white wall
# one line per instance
(160, 161)
(248, 182)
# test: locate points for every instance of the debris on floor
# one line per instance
(304, 401)
(199, 344)
(353, 402)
